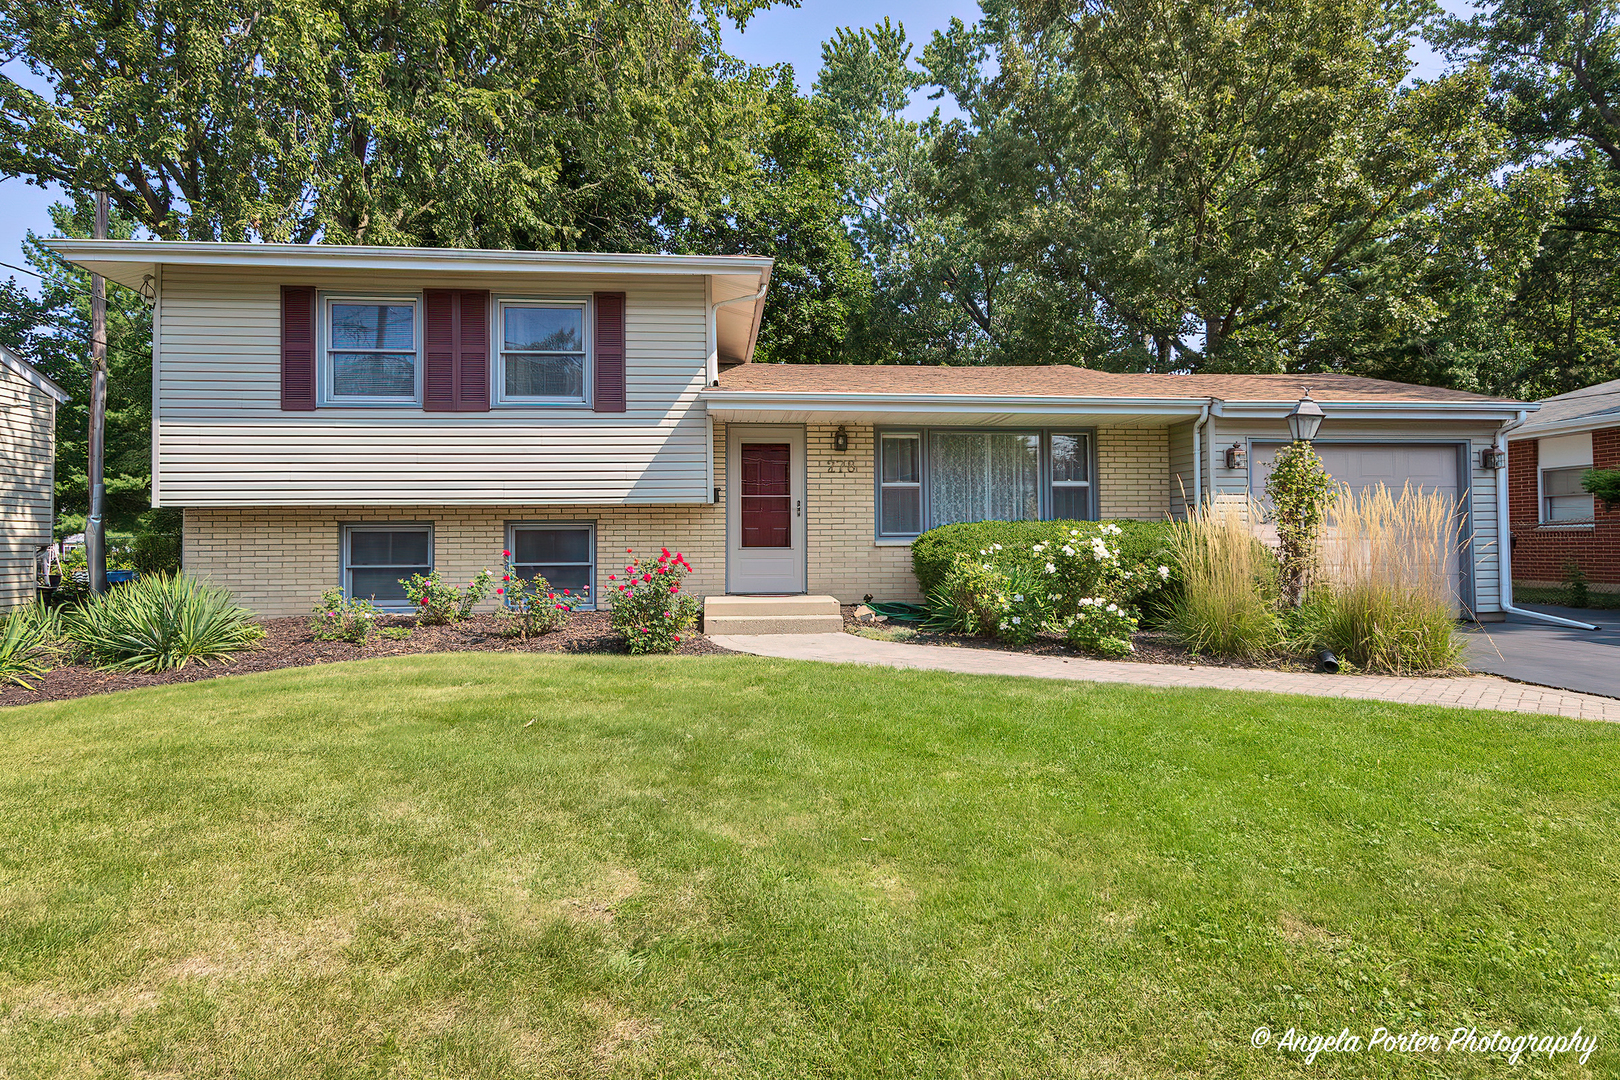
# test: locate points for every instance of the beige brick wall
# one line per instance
(1133, 473)
(278, 560)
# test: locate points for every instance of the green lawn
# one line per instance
(499, 865)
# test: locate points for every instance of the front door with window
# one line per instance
(765, 533)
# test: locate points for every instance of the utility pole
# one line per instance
(95, 525)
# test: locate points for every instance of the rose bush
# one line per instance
(649, 608)
(436, 603)
(531, 605)
(339, 618)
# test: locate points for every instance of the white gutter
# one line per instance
(1504, 543)
(1198, 454)
(714, 329)
(790, 401)
(1572, 426)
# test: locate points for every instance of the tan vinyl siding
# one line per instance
(1234, 483)
(27, 458)
(1183, 479)
(222, 440)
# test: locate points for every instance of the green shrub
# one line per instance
(530, 605)
(650, 611)
(339, 618)
(1228, 600)
(931, 553)
(160, 622)
(1577, 593)
(22, 649)
(1100, 627)
(972, 597)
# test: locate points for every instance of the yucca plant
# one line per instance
(22, 652)
(159, 623)
(1391, 568)
(1228, 602)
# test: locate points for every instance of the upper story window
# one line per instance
(928, 478)
(545, 349)
(1562, 460)
(372, 354)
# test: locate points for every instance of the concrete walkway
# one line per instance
(1466, 692)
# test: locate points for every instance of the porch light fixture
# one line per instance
(1492, 458)
(1306, 418)
(148, 290)
(841, 439)
(1237, 456)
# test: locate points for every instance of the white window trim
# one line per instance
(497, 339)
(1088, 442)
(323, 352)
(922, 508)
(1590, 521)
(590, 529)
(381, 526)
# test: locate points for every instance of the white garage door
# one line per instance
(1430, 466)
(1361, 465)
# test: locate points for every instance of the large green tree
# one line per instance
(1206, 184)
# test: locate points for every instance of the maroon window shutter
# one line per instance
(609, 352)
(472, 364)
(297, 347)
(439, 352)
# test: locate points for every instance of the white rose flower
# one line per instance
(1016, 620)
(1050, 569)
(1164, 573)
(1018, 598)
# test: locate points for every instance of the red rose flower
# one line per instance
(506, 554)
(498, 592)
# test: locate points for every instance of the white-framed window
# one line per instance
(1071, 475)
(563, 553)
(377, 558)
(1562, 459)
(544, 352)
(371, 350)
(941, 476)
(900, 484)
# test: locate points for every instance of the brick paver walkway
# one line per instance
(1465, 692)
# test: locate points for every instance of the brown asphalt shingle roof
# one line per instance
(1067, 380)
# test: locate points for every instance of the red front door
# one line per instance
(767, 495)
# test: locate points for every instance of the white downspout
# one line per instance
(1198, 453)
(712, 375)
(1504, 541)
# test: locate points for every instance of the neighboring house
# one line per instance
(28, 402)
(1556, 523)
(333, 415)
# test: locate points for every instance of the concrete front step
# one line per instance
(771, 615)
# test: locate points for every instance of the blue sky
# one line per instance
(793, 35)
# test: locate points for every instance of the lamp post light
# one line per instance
(1306, 418)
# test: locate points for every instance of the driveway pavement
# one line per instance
(1586, 661)
(1465, 692)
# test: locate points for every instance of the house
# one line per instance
(345, 415)
(1556, 523)
(28, 402)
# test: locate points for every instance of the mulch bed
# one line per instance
(288, 643)
(1152, 647)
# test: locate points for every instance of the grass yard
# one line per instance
(490, 865)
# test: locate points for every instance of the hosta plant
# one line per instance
(437, 603)
(650, 609)
(530, 605)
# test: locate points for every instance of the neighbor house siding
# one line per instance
(1233, 484)
(1541, 553)
(222, 439)
(27, 456)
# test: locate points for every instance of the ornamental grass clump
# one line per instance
(1390, 564)
(650, 611)
(1227, 604)
(158, 623)
(438, 604)
(530, 606)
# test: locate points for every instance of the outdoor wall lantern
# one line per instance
(841, 439)
(1492, 458)
(1306, 418)
(1237, 456)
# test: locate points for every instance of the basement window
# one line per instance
(377, 557)
(565, 555)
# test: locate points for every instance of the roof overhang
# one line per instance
(1005, 410)
(1573, 426)
(32, 375)
(134, 262)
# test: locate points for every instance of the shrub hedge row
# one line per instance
(932, 552)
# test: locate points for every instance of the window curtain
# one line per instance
(984, 476)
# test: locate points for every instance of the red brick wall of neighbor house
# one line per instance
(1540, 554)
